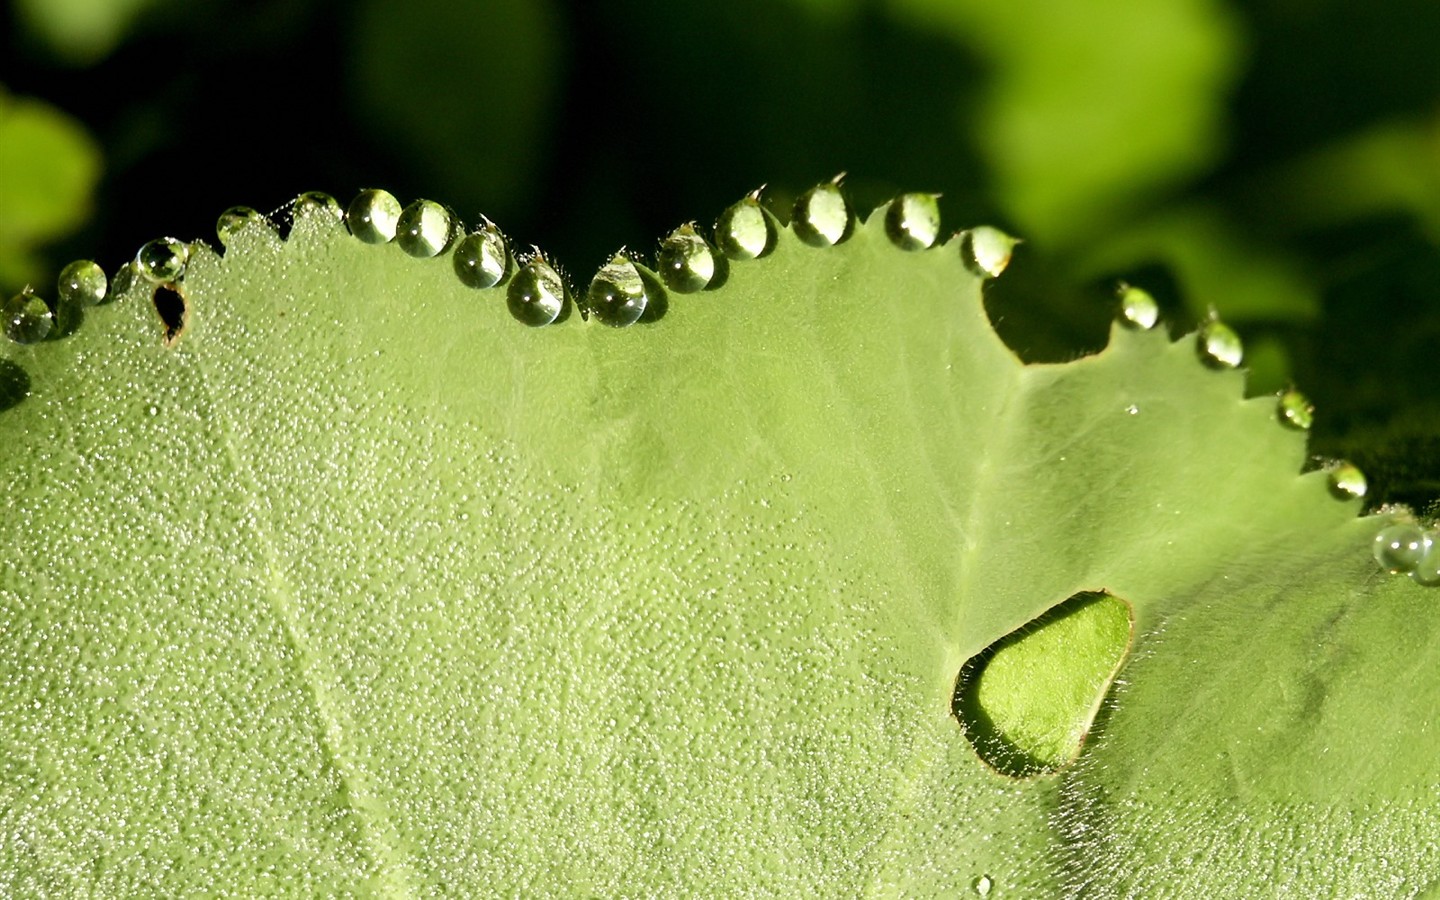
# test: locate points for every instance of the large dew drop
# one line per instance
(482, 259)
(617, 295)
(162, 260)
(1295, 410)
(822, 217)
(1347, 482)
(686, 262)
(317, 202)
(424, 229)
(82, 283)
(1427, 570)
(1137, 308)
(913, 221)
(745, 230)
(537, 294)
(28, 319)
(233, 220)
(1219, 346)
(987, 250)
(373, 216)
(1399, 548)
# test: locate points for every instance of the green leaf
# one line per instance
(51, 165)
(81, 32)
(359, 585)
(1091, 108)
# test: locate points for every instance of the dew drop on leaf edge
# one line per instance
(1137, 308)
(1219, 345)
(28, 318)
(1295, 410)
(373, 216)
(822, 216)
(83, 283)
(536, 295)
(1427, 571)
(913, 221)
(317, 201)
(233, 220)
(1400, 547)
(686, 262)
(124, 280)
(162, 260)
(1347, 482)
(987, 250)
(424, 229)
(617, 294)
(482, 259)
(744, 230)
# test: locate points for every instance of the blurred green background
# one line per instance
(1275, 161)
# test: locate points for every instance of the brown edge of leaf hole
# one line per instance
(174, 321)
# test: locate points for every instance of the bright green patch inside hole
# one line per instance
(1028, 700)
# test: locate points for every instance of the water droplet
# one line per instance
(317, 202)
(27, 318)
(987, 250)
(913, 221)
(1427, 570)
(617, 295)
(1347, 482)
(162, 260)
(686, 262)
(1400, 547)
(82, 283)
(1133, 410)
(424, 229)
(125, 278)
(373, 216)
(1295, 410)
(822, 217)
(1219, 345)
(482, 259)
(1137, 308)
(983, 885)
(234, 219)
(745, 230)
(537, 293)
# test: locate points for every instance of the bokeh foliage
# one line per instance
(1277, 163)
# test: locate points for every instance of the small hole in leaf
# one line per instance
(1027, 701)
(171, 306)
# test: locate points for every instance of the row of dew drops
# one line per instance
(624, 291)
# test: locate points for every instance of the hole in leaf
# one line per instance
(171, 306)
(1028, 700)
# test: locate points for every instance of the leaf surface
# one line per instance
(363, 587)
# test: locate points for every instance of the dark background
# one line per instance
(1277, 161)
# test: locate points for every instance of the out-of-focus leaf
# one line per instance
(80, 32)
(1215, 263)
(48, 169)
(1092, 107)
(1390, 167)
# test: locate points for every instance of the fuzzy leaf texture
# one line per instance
(364, 588)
